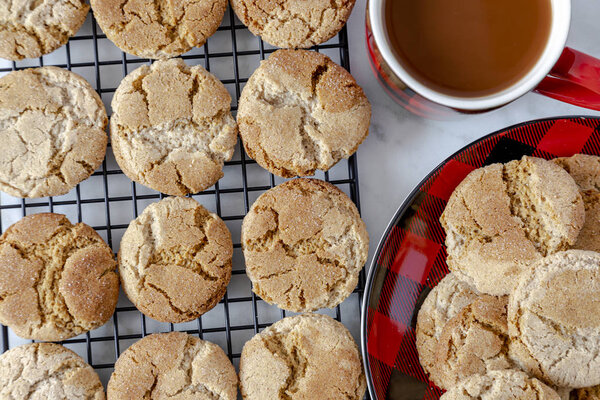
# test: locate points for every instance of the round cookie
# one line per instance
(293, 24)
(52, 129)
(57, 280)
(173, 365)
(300, 112)
(508, 384)
(175, 260)
(304, 245)
(308, 356)
(158, 29)
(554, 319)
(584, 168)
(444, 301)
(171, 128)
(504, 217)
(47, 371)
(32, 28)
(474, 341)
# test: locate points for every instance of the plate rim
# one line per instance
(401, 210)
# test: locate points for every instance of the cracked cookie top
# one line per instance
(57, 280)
(171, 128)
(304, 245)
(32, 28)
(52, 129)
(308, 356)
(47, 371)
(300, 112)
(584, 168)
(175, 260)
(504, 217)
(292, 23)
(158, 28)
(554, 319)
(173, 366)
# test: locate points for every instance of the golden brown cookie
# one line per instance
(158, 29)
(172, 128)
(584, 168)
(52, 130)
(175, 260)
(590, 393)
(291, 23)
(308, 356)
(173, 366)
(304, 245)
(300, 112)
(589, 237)
(504, 217)
(57, 280)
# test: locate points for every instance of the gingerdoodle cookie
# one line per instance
(444, 301)
(584, 168)
(171, 128)
(33, 28)
(304, 244)
(554, 319)
(589, 393)
(47, 371)
(589, 237)
(508, 384)
(308, 356)
(175, 260)
(52, 129)
(300, 112)
(504, 217)
(173, 365)
(293, 24)
(158, 29)
(57, 280)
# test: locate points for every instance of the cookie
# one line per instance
(175, 260)
(52, 129)
(507, 384)
(300, 112)
(47, 371)
(173, 365)
(474, 341)
(444, 301)
(57, 280)
(589, 237)
(31, 29)
(304, 245)
(584, 168)
(171, 128)
(554, 319)
(157, 29)
(590, 393)
(504, 217)
(293, 24)
(308, 356)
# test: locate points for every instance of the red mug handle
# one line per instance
(575, 79)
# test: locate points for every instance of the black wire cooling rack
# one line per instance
(108, 200)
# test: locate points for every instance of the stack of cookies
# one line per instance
(517, 317)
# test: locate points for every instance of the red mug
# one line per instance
(562, 73)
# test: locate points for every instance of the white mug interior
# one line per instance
(561, 19)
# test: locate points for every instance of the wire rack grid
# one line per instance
(108, 200)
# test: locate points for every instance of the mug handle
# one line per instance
(575, 79)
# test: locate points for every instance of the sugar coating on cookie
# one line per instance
(52, 129)
(444, 301)
(584, 168)
(57, 280)
(554, 319)
(508, 384)
(300, 112)
(173, 365)
(158, 29)
(304, 245)
(175, 260)
(308, 356)
(293, 24)
(503, 217)
(47, 371)
(31, 28)
(171, 128)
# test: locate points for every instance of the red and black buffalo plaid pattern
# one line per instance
(412, 258)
